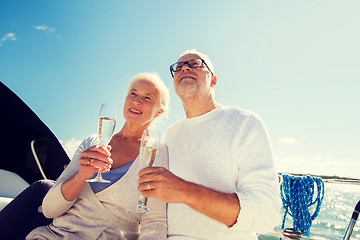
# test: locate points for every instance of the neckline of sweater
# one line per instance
(204, 116)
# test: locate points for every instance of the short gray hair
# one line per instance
(159, 83)
(202, 55)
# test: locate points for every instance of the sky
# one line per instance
(295, 63)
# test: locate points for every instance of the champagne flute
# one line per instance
(107, 122)
(148, 152)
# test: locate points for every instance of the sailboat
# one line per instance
(29, 150)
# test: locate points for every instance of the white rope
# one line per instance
(36, 159)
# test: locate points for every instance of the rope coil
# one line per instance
(297, 195)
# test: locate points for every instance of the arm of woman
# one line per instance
(91, 160)
(54, 204)
(86, 161)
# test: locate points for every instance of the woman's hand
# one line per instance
(93, 159)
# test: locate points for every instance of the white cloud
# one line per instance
(287, 140)
(45, 28)
(332, 152)
(70, 146)
(49, 31)
(7, 37)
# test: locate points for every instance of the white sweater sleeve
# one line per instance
(258, 187)
(54, 203)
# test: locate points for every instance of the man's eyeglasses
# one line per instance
(193, 63)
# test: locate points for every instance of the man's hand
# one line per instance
(160, 183)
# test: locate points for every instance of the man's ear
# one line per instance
(213, 81)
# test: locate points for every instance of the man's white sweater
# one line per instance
(228, 150)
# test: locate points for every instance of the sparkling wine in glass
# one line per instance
(107, 123)
(148, 152)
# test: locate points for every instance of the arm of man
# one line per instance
(253, 206)
(162, 184)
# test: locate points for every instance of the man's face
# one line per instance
(190, 83)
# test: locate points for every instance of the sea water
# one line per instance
(335, 213)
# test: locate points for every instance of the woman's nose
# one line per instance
(137, 100)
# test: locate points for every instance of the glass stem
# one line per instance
(98, 174)
(142, 200)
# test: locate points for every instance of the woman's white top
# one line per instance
(103, 215)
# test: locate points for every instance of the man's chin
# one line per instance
(187, 91)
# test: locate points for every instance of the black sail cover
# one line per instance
(19, 126)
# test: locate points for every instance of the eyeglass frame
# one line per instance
(172, 71)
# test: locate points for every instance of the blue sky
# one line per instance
(295, 63)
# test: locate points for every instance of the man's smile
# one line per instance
(187, 76)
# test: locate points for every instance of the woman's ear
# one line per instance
(159, 113)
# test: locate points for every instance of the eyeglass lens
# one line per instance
(194, 63)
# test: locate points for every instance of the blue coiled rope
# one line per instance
(297, 194)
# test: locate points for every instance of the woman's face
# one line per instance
(142, 103)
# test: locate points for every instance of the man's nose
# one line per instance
(185, 67)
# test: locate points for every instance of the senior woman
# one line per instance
(83, 210)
